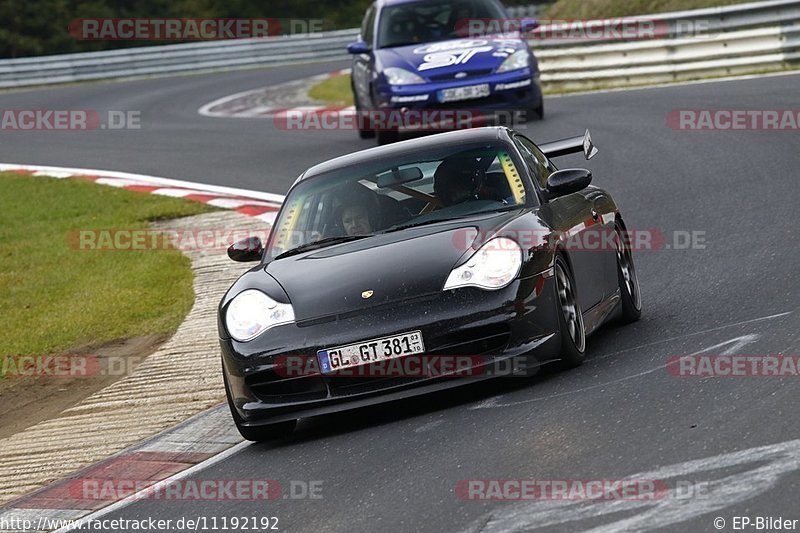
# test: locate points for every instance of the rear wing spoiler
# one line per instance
(573, 145)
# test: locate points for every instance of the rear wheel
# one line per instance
(570, 318)
(630, 297)
(258, 433)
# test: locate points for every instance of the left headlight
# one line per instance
(518, 60)
(252, 312)
(399, 76)
(492, 267)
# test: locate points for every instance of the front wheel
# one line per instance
(570, 317)
(387, 137)
(536, 112)
(630, 296)
(364, 132)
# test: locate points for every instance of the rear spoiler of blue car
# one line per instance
(573, 145)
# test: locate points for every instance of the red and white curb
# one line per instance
(264, 102)
(261, 205)
(193, 445)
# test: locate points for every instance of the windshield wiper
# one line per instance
(320, 244)
(417, 224)
(399, 44)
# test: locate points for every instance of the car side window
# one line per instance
(539, 166)
(368, 25)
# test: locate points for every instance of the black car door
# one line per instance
(575, 218)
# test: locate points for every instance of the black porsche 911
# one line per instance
(418, 266)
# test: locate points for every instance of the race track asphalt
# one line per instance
(621, 414)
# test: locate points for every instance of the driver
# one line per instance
(457, 179)
(355, 220)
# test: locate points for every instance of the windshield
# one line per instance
(394, 193)
(426, 22)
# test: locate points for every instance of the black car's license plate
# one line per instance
(366, 352)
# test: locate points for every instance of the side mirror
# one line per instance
(358, 47)
(567, 181)
(249, 249)
(528, 24)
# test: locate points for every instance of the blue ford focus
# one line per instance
(418, 58)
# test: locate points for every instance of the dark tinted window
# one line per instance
(368, 25)
(539, 166)
(431, 21)
(391, 193)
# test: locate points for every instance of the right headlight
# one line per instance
(492, 267)
(252, 312)
(518, 60)
(399, 76)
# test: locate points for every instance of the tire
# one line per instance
(362, 133)
(537, 112)
(387, 137)
(570, 318)
(257, 433)
(630, 295)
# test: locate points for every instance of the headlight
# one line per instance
(517, 60)
(252, 312)
(399, 76)
(493, 266)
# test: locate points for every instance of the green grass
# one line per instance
(334, 90)
(594, 9)
(54, 297)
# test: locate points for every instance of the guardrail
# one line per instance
(722, 41)
(734, 39)
(175, 59)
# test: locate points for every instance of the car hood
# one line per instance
(395, 266)
(447, 58)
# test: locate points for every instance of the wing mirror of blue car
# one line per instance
(358, 47)
(246, 250)
(528, 24)
(567, 181)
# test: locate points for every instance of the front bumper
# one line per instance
(519, 320)
(515, 90)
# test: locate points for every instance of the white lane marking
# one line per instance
(686, 335)
(143, 179)
(429, 426)
(206, 109)
(199, 467)
(736, 343)
(767, 465)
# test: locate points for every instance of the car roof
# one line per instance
(451, 138)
